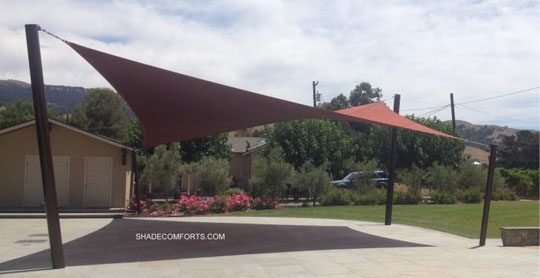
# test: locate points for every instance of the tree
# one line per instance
(337, 103)
(314, 180)
(21, 111)
(415, 148)
(364, 93)
(195, 149)
(271, 173)
(319, 141)
(213, 173)
(135, 135)
(521, 150)
(163, 169)
(103, 112)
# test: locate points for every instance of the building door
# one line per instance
(33, 186)
(97, 182)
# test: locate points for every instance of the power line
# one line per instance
(499, 96)
(476, 100)
(493, 115)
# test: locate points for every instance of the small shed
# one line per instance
(91, 171)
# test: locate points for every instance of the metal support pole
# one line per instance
(487, 196)
(315, 83)
(44, 145)
(453, 112)
(391, 168)
(136, 185)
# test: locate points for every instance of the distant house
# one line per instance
(91, 171)
(245, 151)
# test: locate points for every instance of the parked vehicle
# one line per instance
(378, 177)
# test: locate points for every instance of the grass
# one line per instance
(459, 219)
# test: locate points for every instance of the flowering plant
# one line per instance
(238, 202)
(192, 205)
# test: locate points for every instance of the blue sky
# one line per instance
(423, 50)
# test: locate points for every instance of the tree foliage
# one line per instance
(271, 174)
(413, 147)
(520, 151)
(103, 112)
(21, 111)
(362, 93)
(163, 169)
(319, 141)
(213, 175)
(313, 180)
(195, 149)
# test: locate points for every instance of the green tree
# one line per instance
(271, 173)
(319, 141)
(337, 103)
(213, 175)
(195, 149)
(313, 180)
(135, 135)
(520, 151)
(415, 148)
(163, 169)
(21, 111)
(103, 112)
(364, 93)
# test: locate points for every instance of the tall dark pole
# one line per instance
(489, 190)
(453, 112)
(44, 145)
(315, 83)
(391, 168)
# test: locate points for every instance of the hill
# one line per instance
(62, 98)
(485, 134)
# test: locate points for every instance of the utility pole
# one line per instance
(315, 83)
(44, 145)
(391, 168)
(489, 190)
(453, 113)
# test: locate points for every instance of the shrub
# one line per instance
(263, 203)
(218, 204)
(314, 180)
(524, 182)
(271, 174)
(410, 197)
(146, 204)
(192, 205)
(443, 197)
(233, 191)
(238, 202)
(471, 176)
(443, 178)
(336, 197)
(414, 177)
(471, 195)
(371, 197)
(505, 194)
(213, 175)
(163, 169)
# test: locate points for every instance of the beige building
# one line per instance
(245, 151)
(91, 171)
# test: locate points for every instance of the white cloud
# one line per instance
(421, 49)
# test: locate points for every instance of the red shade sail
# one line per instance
(379, 113)
(173, 107)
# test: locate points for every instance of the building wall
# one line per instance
(15, 145)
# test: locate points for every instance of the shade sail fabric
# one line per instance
(379, 113)
(173, 107)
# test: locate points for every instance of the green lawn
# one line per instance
(459, 219)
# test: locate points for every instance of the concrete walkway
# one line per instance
(255, 247)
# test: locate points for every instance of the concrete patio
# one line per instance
(256, 247)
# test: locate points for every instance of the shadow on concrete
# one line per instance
(117, 243)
